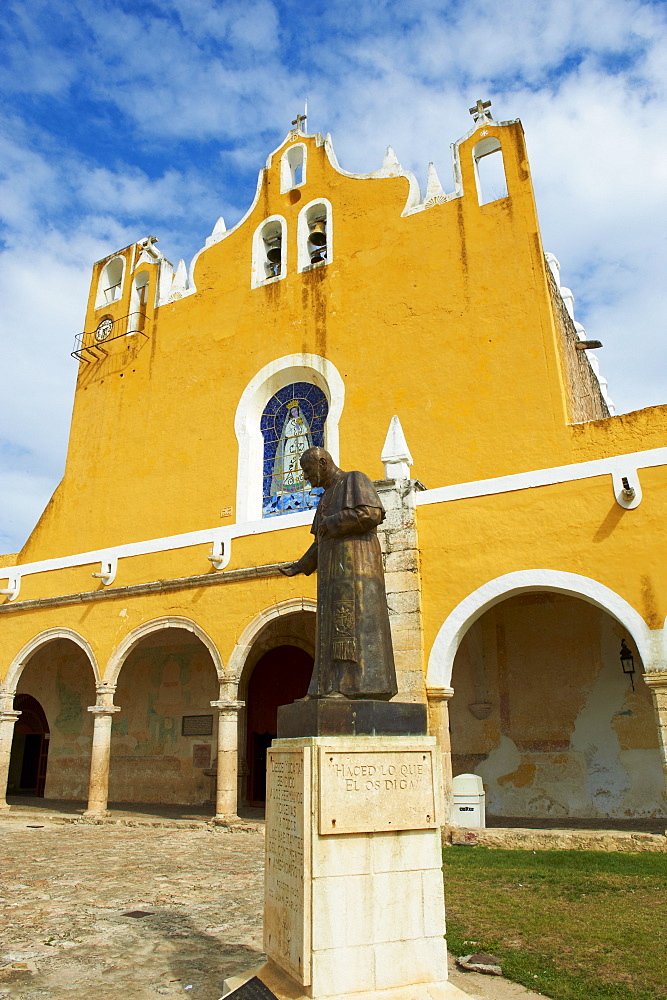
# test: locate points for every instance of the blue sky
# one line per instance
(120, 120)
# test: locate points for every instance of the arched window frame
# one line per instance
(247, 424)
(486, 147)
(106, 283)
(307, 215)
(293, 158)
(278, 496)
(259, 274)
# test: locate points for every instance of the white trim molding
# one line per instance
(616, 466)
(441, 660)
(265, 384)
(21, 660)
(219, 556)
(127, 644)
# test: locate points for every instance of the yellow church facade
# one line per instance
(147, 634)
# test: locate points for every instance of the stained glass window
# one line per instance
(292, 422)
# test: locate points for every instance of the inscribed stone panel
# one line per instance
(197, 725)
(369, 792)
(201, 755)
(287, 921)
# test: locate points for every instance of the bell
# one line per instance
(273, 255)
(318, 233)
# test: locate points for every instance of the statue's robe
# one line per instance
(354, 654)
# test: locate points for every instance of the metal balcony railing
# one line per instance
(90, 346)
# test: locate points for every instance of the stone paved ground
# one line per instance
(66, 891)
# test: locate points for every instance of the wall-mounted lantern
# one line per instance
(628, 662)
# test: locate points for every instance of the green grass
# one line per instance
(573, 925)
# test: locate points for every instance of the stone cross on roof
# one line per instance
(480, 111)
(300, 120)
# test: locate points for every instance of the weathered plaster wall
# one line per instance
(561, 732)
(162, 680)
(584, 398)
(59, 676)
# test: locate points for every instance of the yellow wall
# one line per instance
(443, 317)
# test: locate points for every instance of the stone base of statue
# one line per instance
(350, 717)
(354, 904)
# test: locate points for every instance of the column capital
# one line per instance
(655, 678)
(9, 716)
(439, 693)
(104, 699)
(7, 701)
(228, 706)
(103, 709)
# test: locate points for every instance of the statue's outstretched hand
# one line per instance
(290, 569)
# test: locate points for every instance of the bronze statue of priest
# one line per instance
(354, 656)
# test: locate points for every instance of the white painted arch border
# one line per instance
(441, 660)
(269, 380)
(254, 629)
(22, 658)
(127, 644)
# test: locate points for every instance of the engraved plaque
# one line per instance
(201, 755)
(254, 989)
(287, 878)
(197, 725)
(362, 792)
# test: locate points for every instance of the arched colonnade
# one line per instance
(105, 682)
(233, 678)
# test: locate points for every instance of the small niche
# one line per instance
(293, 168)
(110, 286)
(138, 302)
(315, 234)
(269, 251)
(489, 170)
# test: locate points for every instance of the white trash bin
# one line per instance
(469, 807)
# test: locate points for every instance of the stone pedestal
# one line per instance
(354, 904)
(351, 717)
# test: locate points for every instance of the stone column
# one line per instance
(400, 549)
(227, 758)
(438, 726)
(8, 719)
(98, 788)
(657, 681)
